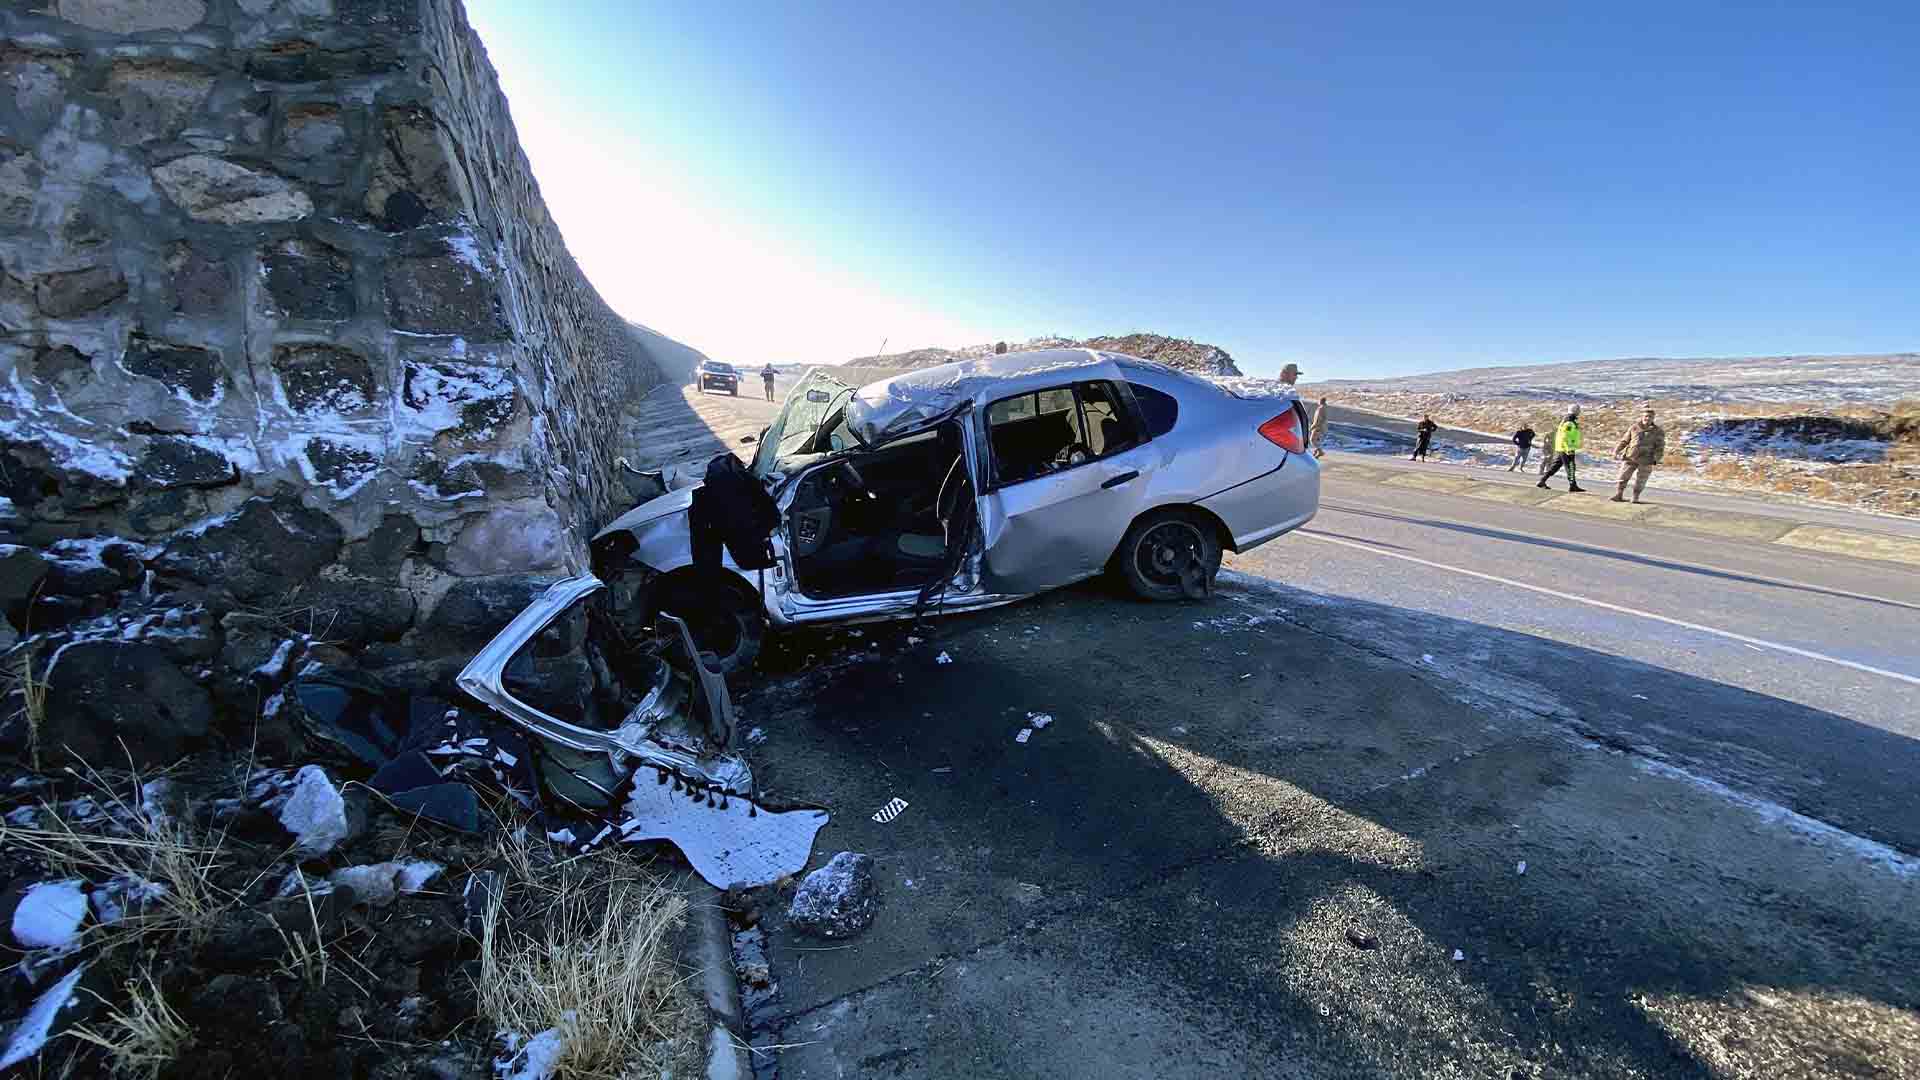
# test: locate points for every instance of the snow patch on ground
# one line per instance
(537, 1058)
(315, 813)
(50, 914)
(37, 1025)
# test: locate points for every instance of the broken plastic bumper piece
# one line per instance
(668, 755)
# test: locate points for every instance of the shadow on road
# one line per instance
(1222, 795)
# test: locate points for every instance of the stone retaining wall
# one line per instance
(284, 323)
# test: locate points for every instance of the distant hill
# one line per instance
(1856, 380)
(1194, 356)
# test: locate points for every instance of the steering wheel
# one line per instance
(1073, 454)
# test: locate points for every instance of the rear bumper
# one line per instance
(1271, 505)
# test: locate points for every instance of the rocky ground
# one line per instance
(226, 919)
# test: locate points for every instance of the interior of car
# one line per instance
(872, 522)
(1043, 431)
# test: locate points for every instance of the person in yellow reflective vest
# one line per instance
(1566, 448)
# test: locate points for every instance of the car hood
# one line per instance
(673, 502)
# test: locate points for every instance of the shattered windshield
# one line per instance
(794, 438)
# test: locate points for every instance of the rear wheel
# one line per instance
(726, 623)
(1168, 555)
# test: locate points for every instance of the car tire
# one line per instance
(1161, 550)
(726, 623)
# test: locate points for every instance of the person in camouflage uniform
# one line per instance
(1642, 448)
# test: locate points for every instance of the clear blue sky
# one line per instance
(1366, 189)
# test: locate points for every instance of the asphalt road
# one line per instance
(1434, 787)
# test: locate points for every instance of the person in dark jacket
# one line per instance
(1523, 443)
(766, 376)
(1424, 434)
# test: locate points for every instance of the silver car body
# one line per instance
(1039, 533)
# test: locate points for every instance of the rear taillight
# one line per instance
(1283, 431)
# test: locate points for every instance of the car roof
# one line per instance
(903, 403)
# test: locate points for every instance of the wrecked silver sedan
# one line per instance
(961, 487)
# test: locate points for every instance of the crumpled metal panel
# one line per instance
(701, 801)
(910, 401)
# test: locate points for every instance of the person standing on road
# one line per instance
(1289, 375)
(1424, 436)
(1642, 448)
(766, 376)
(1317, 431)
(1523, 443)
(1566, 448)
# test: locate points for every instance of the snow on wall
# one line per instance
(286, 254)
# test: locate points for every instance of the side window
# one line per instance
(1042, 432)
(1109, 427)
(1032, 433)
(1161, 409)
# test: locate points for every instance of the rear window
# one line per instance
(1162, 409)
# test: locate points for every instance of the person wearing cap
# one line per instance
(1317, 431)
(1566, 449)
(1642, 448)
(1289, 375)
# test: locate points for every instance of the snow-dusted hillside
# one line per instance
(1851, 380)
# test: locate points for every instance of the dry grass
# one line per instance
(599, 966)
(143, 1037)
(165, 853)
(32, 690)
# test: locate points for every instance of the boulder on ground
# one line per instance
(102, 694)
(258, 552)
(837, 900)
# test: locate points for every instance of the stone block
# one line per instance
(417, 175)
(201, 283)
(216, 190)
(20, 180)
(356, 611)
(322, 379)
(308, 280)
(132, 16)
(174, 461)
(398, 16)
(185, 369)
(38, 81)
(470, 401)
(339, 465)
(510, 540)
(443, 296)
(63, 367)
(306, 62)
(114, 693)
(154, 99)
(313, 131)
(68, 293)
(260, 551)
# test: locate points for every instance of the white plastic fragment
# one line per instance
(1039, 720)
(1458, 955)
(315, 813)
(537, 1058)
(1521, 868)
(1426, 658)
(943, 658)
(49, 915)
(890, 811)
(32, 1032)
(1023, 735)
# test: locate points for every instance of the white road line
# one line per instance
(1754, 642)
(1760, 579)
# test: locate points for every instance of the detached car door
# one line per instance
(1065, 477)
